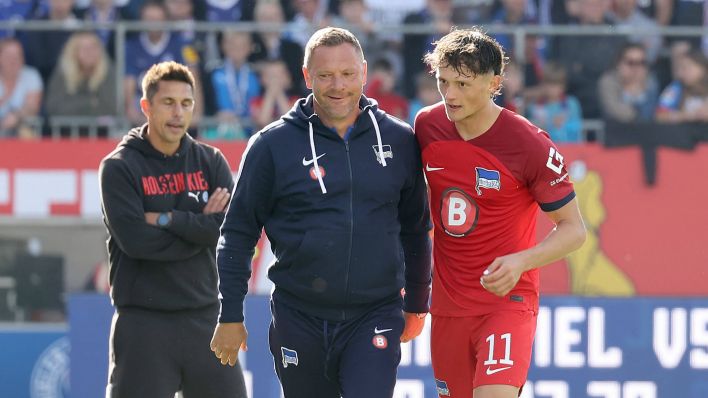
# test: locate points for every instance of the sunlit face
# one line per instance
(169, 113)
(308, 8)
(179, 9)
(276, 74)
(88, 51)
(352, 11)
(633, 66)
(593, 11)
(154, 14)
(514, 7)
(465, 95)
(237, 47)
(11, 58)
(336, 75)
(61, 8)
(269, 13)
(690, 72)
(554, 91)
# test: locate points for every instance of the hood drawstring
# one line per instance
(314, 159)
(379, 154)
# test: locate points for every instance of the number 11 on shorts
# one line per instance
(507, 350)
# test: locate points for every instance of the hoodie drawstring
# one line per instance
(314, 158)
(379, 154)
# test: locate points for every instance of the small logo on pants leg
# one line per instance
(380, 342)
(289, 356)
(441, 386)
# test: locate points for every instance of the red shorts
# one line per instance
(468, 352)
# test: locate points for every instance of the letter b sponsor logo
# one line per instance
(458, 212)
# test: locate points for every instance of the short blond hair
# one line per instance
(331, 37)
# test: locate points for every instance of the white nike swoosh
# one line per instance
(428, 168)
(306, 162)
(491, 372)
(377, 330)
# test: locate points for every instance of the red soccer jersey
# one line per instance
(484, 199)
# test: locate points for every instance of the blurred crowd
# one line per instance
(68, 76)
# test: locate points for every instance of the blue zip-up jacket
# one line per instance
(340, 239)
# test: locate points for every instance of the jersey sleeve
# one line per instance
(547, 174)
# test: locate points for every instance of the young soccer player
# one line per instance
(489, 170)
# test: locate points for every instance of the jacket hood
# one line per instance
(137, 139)
(303, 112)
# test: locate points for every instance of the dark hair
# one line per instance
(165, 71)
(627, 47)
(330, 37)
(697, 57)
(467, 51)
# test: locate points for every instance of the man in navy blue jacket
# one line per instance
(338, 186)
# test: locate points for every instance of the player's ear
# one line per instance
(308, 78)
(495, 84)
(365, 72)
(145, 106)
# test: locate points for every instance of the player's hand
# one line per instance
(413, 327)
(228, 338)
(503, 274)
(217, 202)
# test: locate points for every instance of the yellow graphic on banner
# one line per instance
(592, 273)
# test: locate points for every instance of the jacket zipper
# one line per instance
(351, 229)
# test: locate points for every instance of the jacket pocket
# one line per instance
(316, 271)
(376, 269)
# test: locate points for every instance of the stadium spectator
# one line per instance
(512, 12)
(221, 11)
(20, 90)
(274, 101)
(487, 159)
(659, 10)
(475, 11)
(235, 83)
(229, 10)
(355, 15)
(105, 11)
(585, 58)
(149, 48)
(380, 86)
(11, 10)
(42, 47)
(629, 92)
(83, 84)
(512, 91)
(426, 94)
(627, 13)
(439, 15)
(163, 198)
(349, 228)
(271, 44)
(392, 13)
(310, 16)
(553, 110)
(559, 12)
(686, 99)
